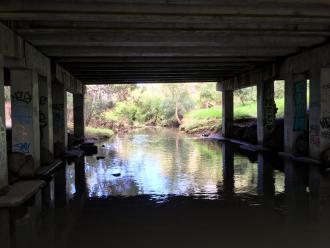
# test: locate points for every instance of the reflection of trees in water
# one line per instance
(161, 161)
(246, 175)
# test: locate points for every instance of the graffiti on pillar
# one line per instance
(269, 113)
(325, 127)
(300, 107)
(22, 147)
(43, 118)
(42, 100)
(21, 96)
(43, 122)
(325, 110)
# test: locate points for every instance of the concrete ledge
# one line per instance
(48, 169)
(74, 154)
(305, 160)
(250, 147)
(20, 192)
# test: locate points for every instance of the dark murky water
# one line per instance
(160, 188)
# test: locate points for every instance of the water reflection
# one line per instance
(210, 195)
(163, 162)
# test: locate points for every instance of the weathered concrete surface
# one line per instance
(20, 192)
(266, 110)
(325, 109)
(3, 142)
(59, 119)
(79, 115)
(46, 114)
(25, 113)
(295, 117)
(209, 37)
(227, 112)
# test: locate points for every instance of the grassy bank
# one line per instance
(201, 120)
(100, 133)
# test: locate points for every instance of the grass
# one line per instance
(210, 119)
(98, 132)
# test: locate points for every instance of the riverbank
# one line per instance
(98, 133)
(198, 122)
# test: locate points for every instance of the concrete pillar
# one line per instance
(46, 114)
(3, 142)
(59, 119)
(25, 113)
(227, 112)
(295, 118)
(266, 109)
(314, 113)
(79, 115)
(325, 110)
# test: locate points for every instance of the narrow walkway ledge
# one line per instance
(305, 160)
(250, 147)
(20, 192)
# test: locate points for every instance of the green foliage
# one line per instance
(208, 113)
(246, 95)
(98, 132)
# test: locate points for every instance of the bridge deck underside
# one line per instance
(167, 41)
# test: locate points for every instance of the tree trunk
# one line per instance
(177, 114)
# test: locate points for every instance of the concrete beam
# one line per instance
(166, 51)
(165, 38)
(3, 142)
(250, 78)
(70, 83)
(238, 7)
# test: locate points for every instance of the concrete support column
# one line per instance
(46, 114)
(79, 115)
(3, 142)
(314, 112)
(266, 108)
(25, 113)
(227, 112)
(295, 118)
(325, 110)
(59, 119)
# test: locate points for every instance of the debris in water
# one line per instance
(100, 157)
(116, 174)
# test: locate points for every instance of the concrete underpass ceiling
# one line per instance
(167, 40)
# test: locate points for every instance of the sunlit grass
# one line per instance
(98, 132)
(208, 119)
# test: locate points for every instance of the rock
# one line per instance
(116, 174)
(100, 157)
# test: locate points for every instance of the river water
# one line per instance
(161, 188)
